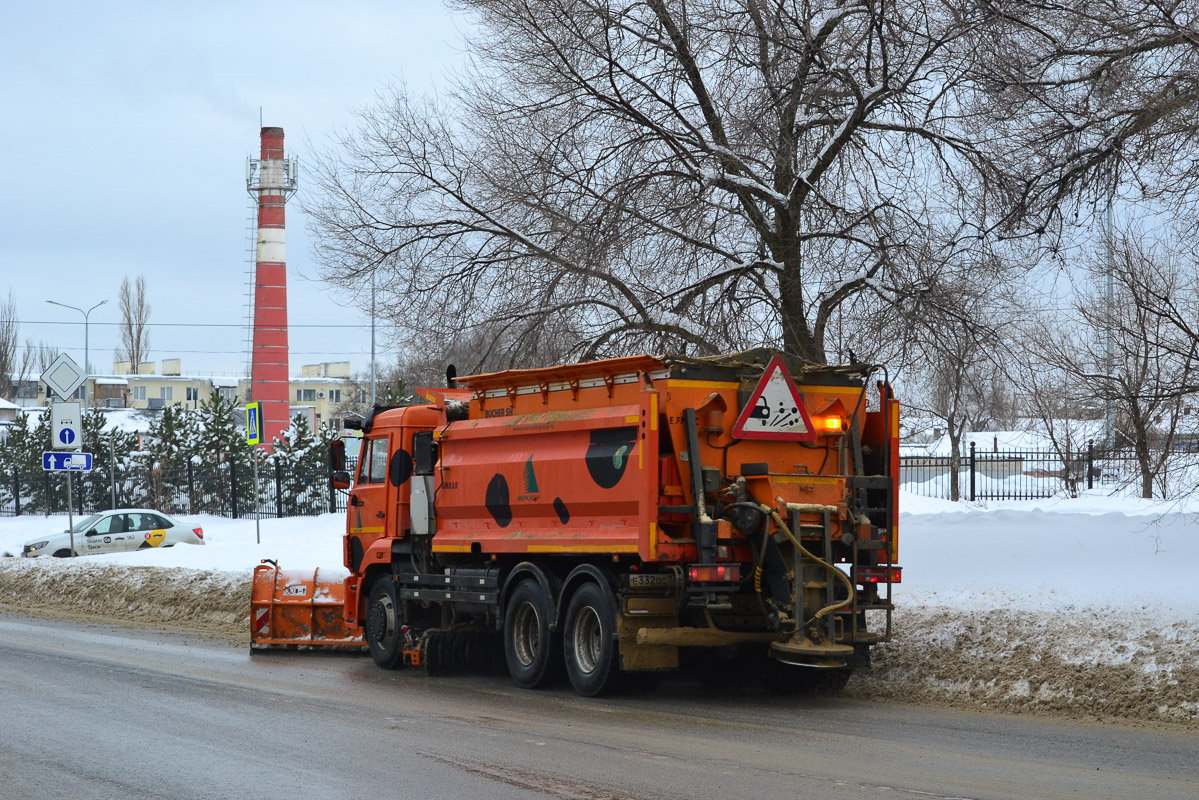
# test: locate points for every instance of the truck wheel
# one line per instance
(383, 624)
(590, 645)
(527, 648)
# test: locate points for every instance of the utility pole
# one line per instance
(372, 338)
(1109, 297)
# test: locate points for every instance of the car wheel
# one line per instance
(528, 650)
(590, 641)
(64, 553)
(383, 623)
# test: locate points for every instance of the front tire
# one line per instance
(383, 623)
(590, 642)
(527, 649)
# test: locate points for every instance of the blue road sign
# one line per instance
(73, 462)
(66, 436)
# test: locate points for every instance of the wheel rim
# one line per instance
(526, 634)
(381, 625)
(587, 640)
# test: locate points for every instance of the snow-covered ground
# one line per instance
(1085, 606)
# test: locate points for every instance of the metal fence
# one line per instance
(1017, 474)
(225, 490)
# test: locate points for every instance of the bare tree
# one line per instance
(1051, 397)
(1130, 353)
(9, 335)
(135, 316)
(44, 354)
(956, 357)
(609, 176)
(1082, 94)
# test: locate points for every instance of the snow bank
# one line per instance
(1085, 607)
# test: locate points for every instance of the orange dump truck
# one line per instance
(616, 517)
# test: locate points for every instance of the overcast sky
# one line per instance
(125, 131)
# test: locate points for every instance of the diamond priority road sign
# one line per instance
(63, 376)
(70, 462)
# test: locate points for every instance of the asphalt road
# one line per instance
(99, 712)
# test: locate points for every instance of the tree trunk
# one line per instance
(797, 339)
(955, 464)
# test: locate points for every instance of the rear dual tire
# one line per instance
(528, 649)
(590, 646)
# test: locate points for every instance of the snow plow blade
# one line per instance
(298, 609)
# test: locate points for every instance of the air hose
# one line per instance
(841, 575)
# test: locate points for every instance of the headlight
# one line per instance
(37, 545)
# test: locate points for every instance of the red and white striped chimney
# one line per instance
(269, 362)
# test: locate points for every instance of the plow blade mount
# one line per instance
(298, 609)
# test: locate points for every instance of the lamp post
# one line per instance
(86, 366)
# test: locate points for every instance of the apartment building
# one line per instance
(318, 393)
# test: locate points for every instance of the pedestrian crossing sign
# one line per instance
(253, 423)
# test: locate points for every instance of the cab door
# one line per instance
(106, 536)
(367, 517)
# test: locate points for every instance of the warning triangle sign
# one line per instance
(775, 410)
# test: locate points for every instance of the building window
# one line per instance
(229, 394)
(335, 396)
(139, 392)
(167, 393)
(193, 394)
(306, 395)
(360, 396)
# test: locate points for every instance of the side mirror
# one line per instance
(341, 479)
(337, 455)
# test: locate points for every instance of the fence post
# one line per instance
(972, 472)
(191, 489)
(16, 489)
(47, 474)
(278, 489)
(233, 487)
(1090, 463)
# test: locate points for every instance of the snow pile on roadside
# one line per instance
(1085, 607)
(1094, 663)
(209, 601)
(189, 587)
(1082, 607)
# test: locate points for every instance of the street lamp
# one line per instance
(86, 366)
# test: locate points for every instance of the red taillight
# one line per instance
(718, 573)
(199, 532)
(879, 574)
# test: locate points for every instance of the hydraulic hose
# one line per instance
(778, 520)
